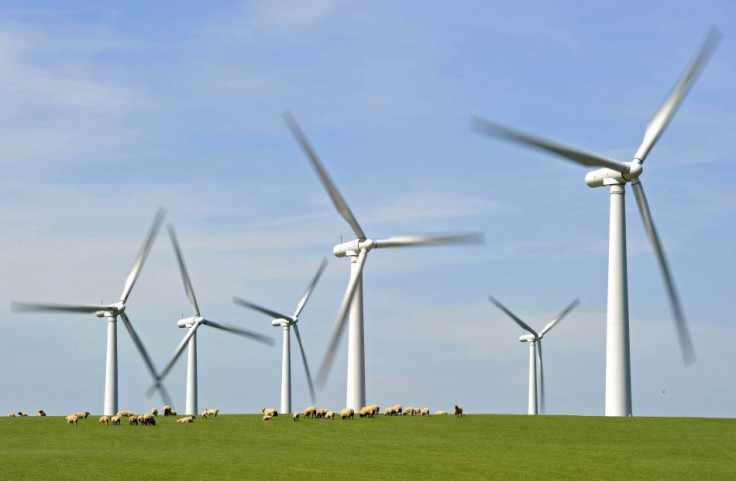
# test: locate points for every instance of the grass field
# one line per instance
(439, 447)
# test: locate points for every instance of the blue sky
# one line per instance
(110, 111)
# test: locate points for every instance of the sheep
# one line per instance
(321, 413)
(41, 413)
(267, 417)
(347, 413)
(215, 412)
(11, 415)
(71, 419)
(133, 420)
(124, 414)
(115, 420)
(310, 412)
(389, 411)
(425, 412)
(167, 410)
(365, 411)
(295, 416)
(269, 412)
(83, 415)
(104, 420)
(375, 408)
(22, 414)
(329, 415)
(148, 420)
(186, 420)
(410, 411)
(140, 420)
(173, 412)
(204, 414)
(441, 413)
(458, 411)
(154, 411)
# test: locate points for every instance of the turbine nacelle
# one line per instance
(353, 247)
(528, 338)
(605, 176)
(283, 322)
(113, 310)
(189, 321)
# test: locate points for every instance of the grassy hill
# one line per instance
(439, 447)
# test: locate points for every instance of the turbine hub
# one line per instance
(283, 322)
(353, 247)
(188, 321)
(601, 177)
(528, 338)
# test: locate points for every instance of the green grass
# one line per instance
(440, 447)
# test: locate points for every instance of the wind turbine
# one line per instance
(616, 175)
(535, 351)
(357, 250)
(281, 320)
(190, 338)
(111, 312)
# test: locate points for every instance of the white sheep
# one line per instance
(267, 417)
(458, 411)
(71, 419)
(321, 412)
(347, 413)
(148, 419)
(11, 415)
(41, 413)
(204, 414)
(167, 410)
(425, 412)
(213, 412)
(104, 420)
(83, 415)
(269, 412)
(22, 414)
(329, 415)
(124, 414)
(295, 416)
(154, 411)
(133, 420)
(441, 413)
(186, 420)
(310, 412)
(115, 420)
(173, 412)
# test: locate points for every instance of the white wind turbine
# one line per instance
(282, 320)
(616, 175)
(190, 338)
(357, 250)
(535, 351)
(111, 312)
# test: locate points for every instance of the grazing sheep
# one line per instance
(204, 414)
(425, 412)
(295, 416)
(365, 411)
(321, 413)
(148, 420)
(167, 410)
(22, 414)
(375, 408)
(441, 413)
(41, 413)
(11, 415)
(186, 420)
(104, 420)
(133, 420)
(269, 412)
(267, 417)
(154, 411)
(329, 415)
(83, 415)
(124, 414)
(213, 412)
(347, 413)
(458, 411)
(410, 411)
(389, 412)
(173, 412)
(71, 419)
(115, 420)
(310, 412)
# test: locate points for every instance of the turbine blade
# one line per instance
(86, 308)
(306, 366)
(183, 270)
(146, 358)
(142, 254)
(308, 292)
(240, 331)
(337, 198)
(589, 159)
(665, 113)
(177, 352)
(264, 310)
(541, 376)
(559, 317)
(523, 324)
(420, 240)
(688, 353)
(342, 314)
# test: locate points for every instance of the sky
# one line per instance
(110, 111)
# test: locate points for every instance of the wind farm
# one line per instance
(191, 119)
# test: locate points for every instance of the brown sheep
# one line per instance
(71, 419)
(458, 411)
(310, 412)
(104, 420)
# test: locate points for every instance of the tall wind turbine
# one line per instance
(616, 175)
(535, 351)
(111, 312)
(357, 250)
(284, 321)
(190, 338)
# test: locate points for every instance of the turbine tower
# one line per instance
(190, 338)
(111, 312)
(535, 351)
(357, 250)
(616, 175)
(286, 322)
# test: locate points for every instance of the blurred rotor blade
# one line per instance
(589, 159)
(337, 198)
(264, 310)
(688, 353)
(308, 292)
(177, 352)
(306, 366)
(87, 308)
(559, 317)
(541, 376)
(420, 240)
(183, 270)
(342, 314)
(240, 331)
(146, 358)
(523, 324)
(141, 258)
(665, 113)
